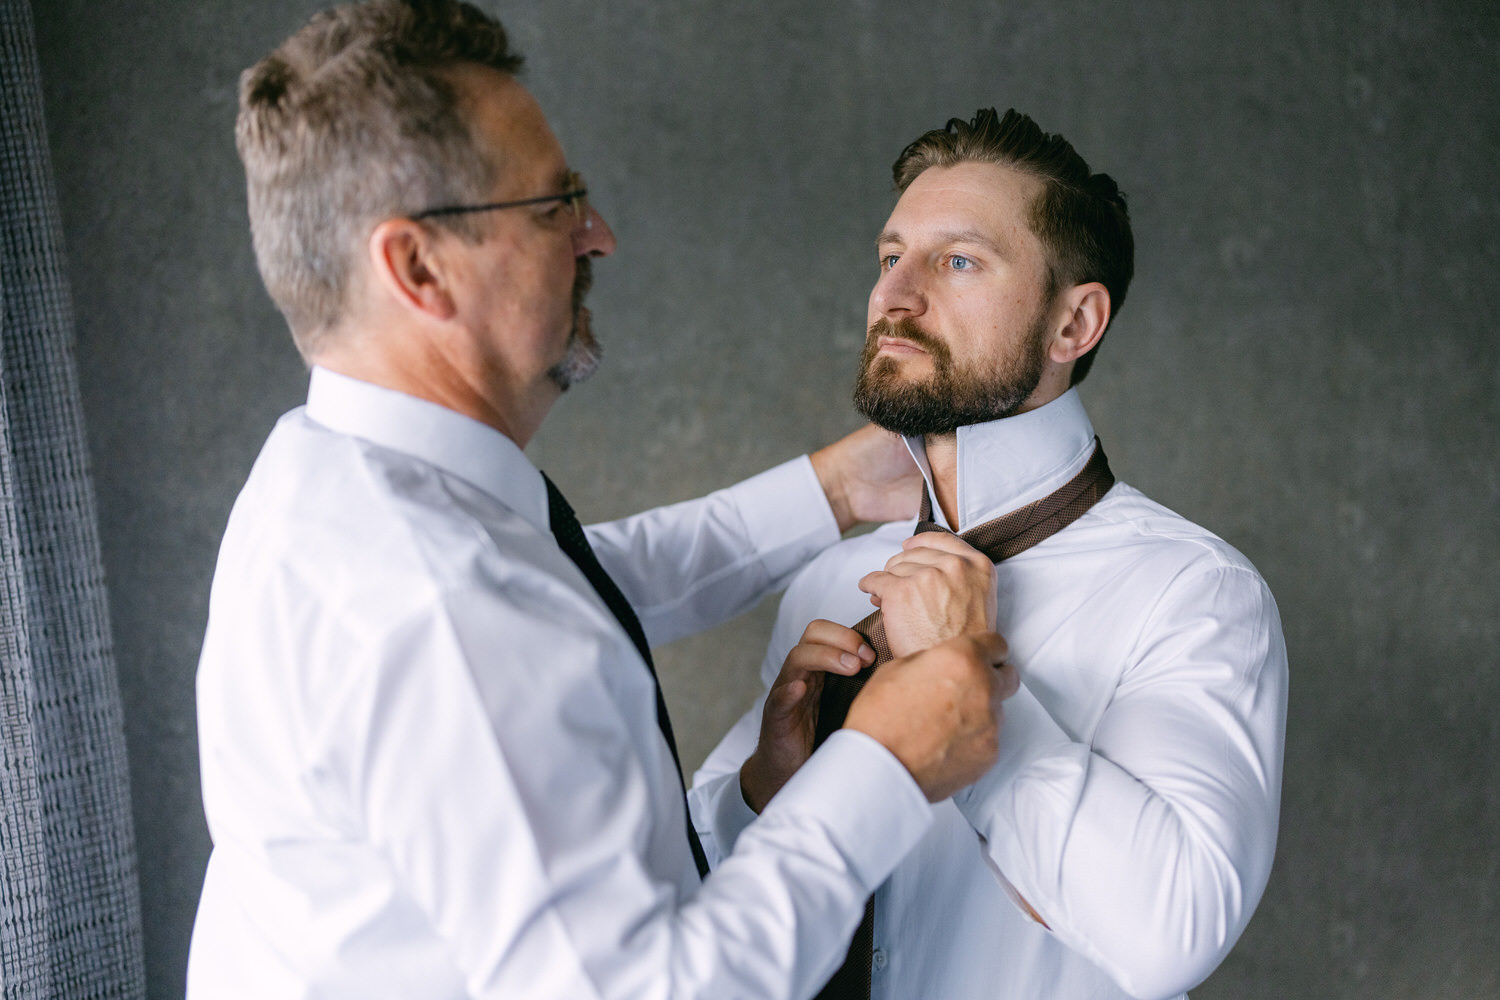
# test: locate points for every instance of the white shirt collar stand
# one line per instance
(463, 447)
(1008, 463)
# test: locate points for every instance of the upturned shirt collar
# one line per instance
(1008, 463)
(463, 447)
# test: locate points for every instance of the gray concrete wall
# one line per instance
(1307, 363)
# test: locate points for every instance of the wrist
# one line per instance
(751, 787)
(831, 478)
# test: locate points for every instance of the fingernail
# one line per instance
(848, 661)
(865, 652)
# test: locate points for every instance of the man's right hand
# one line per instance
(937, 587)
(939, 711)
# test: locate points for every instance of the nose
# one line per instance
(898, 292)
(593, 237)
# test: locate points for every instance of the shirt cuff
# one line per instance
(786, 515)
(722, 810)
(867, 800)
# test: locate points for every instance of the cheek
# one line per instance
(545, 289)
(560, 277)
(977, 337)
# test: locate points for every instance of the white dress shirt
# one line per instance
(430, 755)
(1135, 802)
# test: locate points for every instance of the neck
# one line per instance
(942, 449)
(432, 375)
(942, 457)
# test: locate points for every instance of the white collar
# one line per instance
(1008, 463)
(466, 448)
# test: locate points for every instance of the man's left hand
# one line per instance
(869, 476)
(790, 717)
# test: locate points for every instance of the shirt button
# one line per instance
(878, 958)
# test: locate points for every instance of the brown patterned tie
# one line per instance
(1005, 536)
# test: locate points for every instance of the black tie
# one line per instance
(575, 545)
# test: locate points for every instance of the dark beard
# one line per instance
(950, 398)
(584, 351)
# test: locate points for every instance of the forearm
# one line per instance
(1147, 847)
(1153, 889)
(692, 565)
(852, 801)
(600, 899)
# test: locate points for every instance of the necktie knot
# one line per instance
(1000, 539)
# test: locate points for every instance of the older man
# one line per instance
(1121, 843)
(435, 759)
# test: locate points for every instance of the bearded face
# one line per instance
(584, 350)
(953, 394)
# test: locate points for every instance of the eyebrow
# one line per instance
(973, 237)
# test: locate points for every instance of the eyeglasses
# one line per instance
(576, 195)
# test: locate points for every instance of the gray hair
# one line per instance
(354, 119)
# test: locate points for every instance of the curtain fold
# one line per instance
(69, 900)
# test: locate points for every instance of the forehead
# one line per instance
(983, 198)
(511, 126)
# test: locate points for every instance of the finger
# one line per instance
(929, 558)
(882, 580)
(951, 545)
(807, 658)
(823, 632)
(944, 557)
(942, 541)
(784, 697)
(918, 577)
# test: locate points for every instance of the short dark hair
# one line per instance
(1080, 217)
(353, 119)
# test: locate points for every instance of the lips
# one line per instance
(902, 338)
(897, 347)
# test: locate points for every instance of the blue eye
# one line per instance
(960, 263)
(889, 261)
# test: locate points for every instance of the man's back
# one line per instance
(370, 715)
(344, 565)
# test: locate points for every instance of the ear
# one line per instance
(409, 265)
(1087, 315)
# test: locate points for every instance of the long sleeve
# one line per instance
(1148, 851)
(825, 589)
(527, 827)
(719, 810)
(1135, 802)
(692, 565)
(431, 761)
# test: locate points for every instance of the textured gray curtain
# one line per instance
(69, 903)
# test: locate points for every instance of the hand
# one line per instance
(937, 587)
(869, 476)
(790, 716)
(939, 711)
